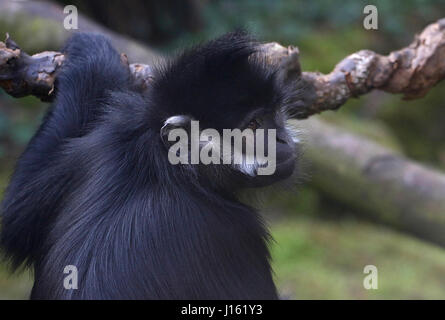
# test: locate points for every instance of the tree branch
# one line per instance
(411, 71)
(21, 74)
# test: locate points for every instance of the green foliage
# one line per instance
(19, 119)
(288, 21)
(33, 35)
(373, 129)
(419, 124)
(324, 259)
(17, 286)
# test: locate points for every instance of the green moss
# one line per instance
(325, 260)
(33, 34)
(322, 50)
(14, 286)
(374, 129)
(418, 124)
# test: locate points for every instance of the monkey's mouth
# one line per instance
(286, 167)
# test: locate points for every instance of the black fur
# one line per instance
(94, 187)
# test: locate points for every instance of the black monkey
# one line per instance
(95, 189)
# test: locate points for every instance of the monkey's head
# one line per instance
(223, 94)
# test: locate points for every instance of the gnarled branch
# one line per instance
(411, 71)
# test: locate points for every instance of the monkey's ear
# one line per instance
(175, 122)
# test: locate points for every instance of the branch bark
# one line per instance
(22, 75)
(411, 71)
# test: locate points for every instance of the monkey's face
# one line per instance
(274, 149)
(257, 151)
(227, 101)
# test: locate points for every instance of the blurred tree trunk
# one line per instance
(38, 26)
(376, 181)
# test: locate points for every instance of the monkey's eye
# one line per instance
(254, 124)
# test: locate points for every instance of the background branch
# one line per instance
(379, 182)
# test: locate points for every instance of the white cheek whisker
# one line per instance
(293, 132)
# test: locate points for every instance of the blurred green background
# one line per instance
(320, 247)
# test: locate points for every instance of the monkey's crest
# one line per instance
(226, 76)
